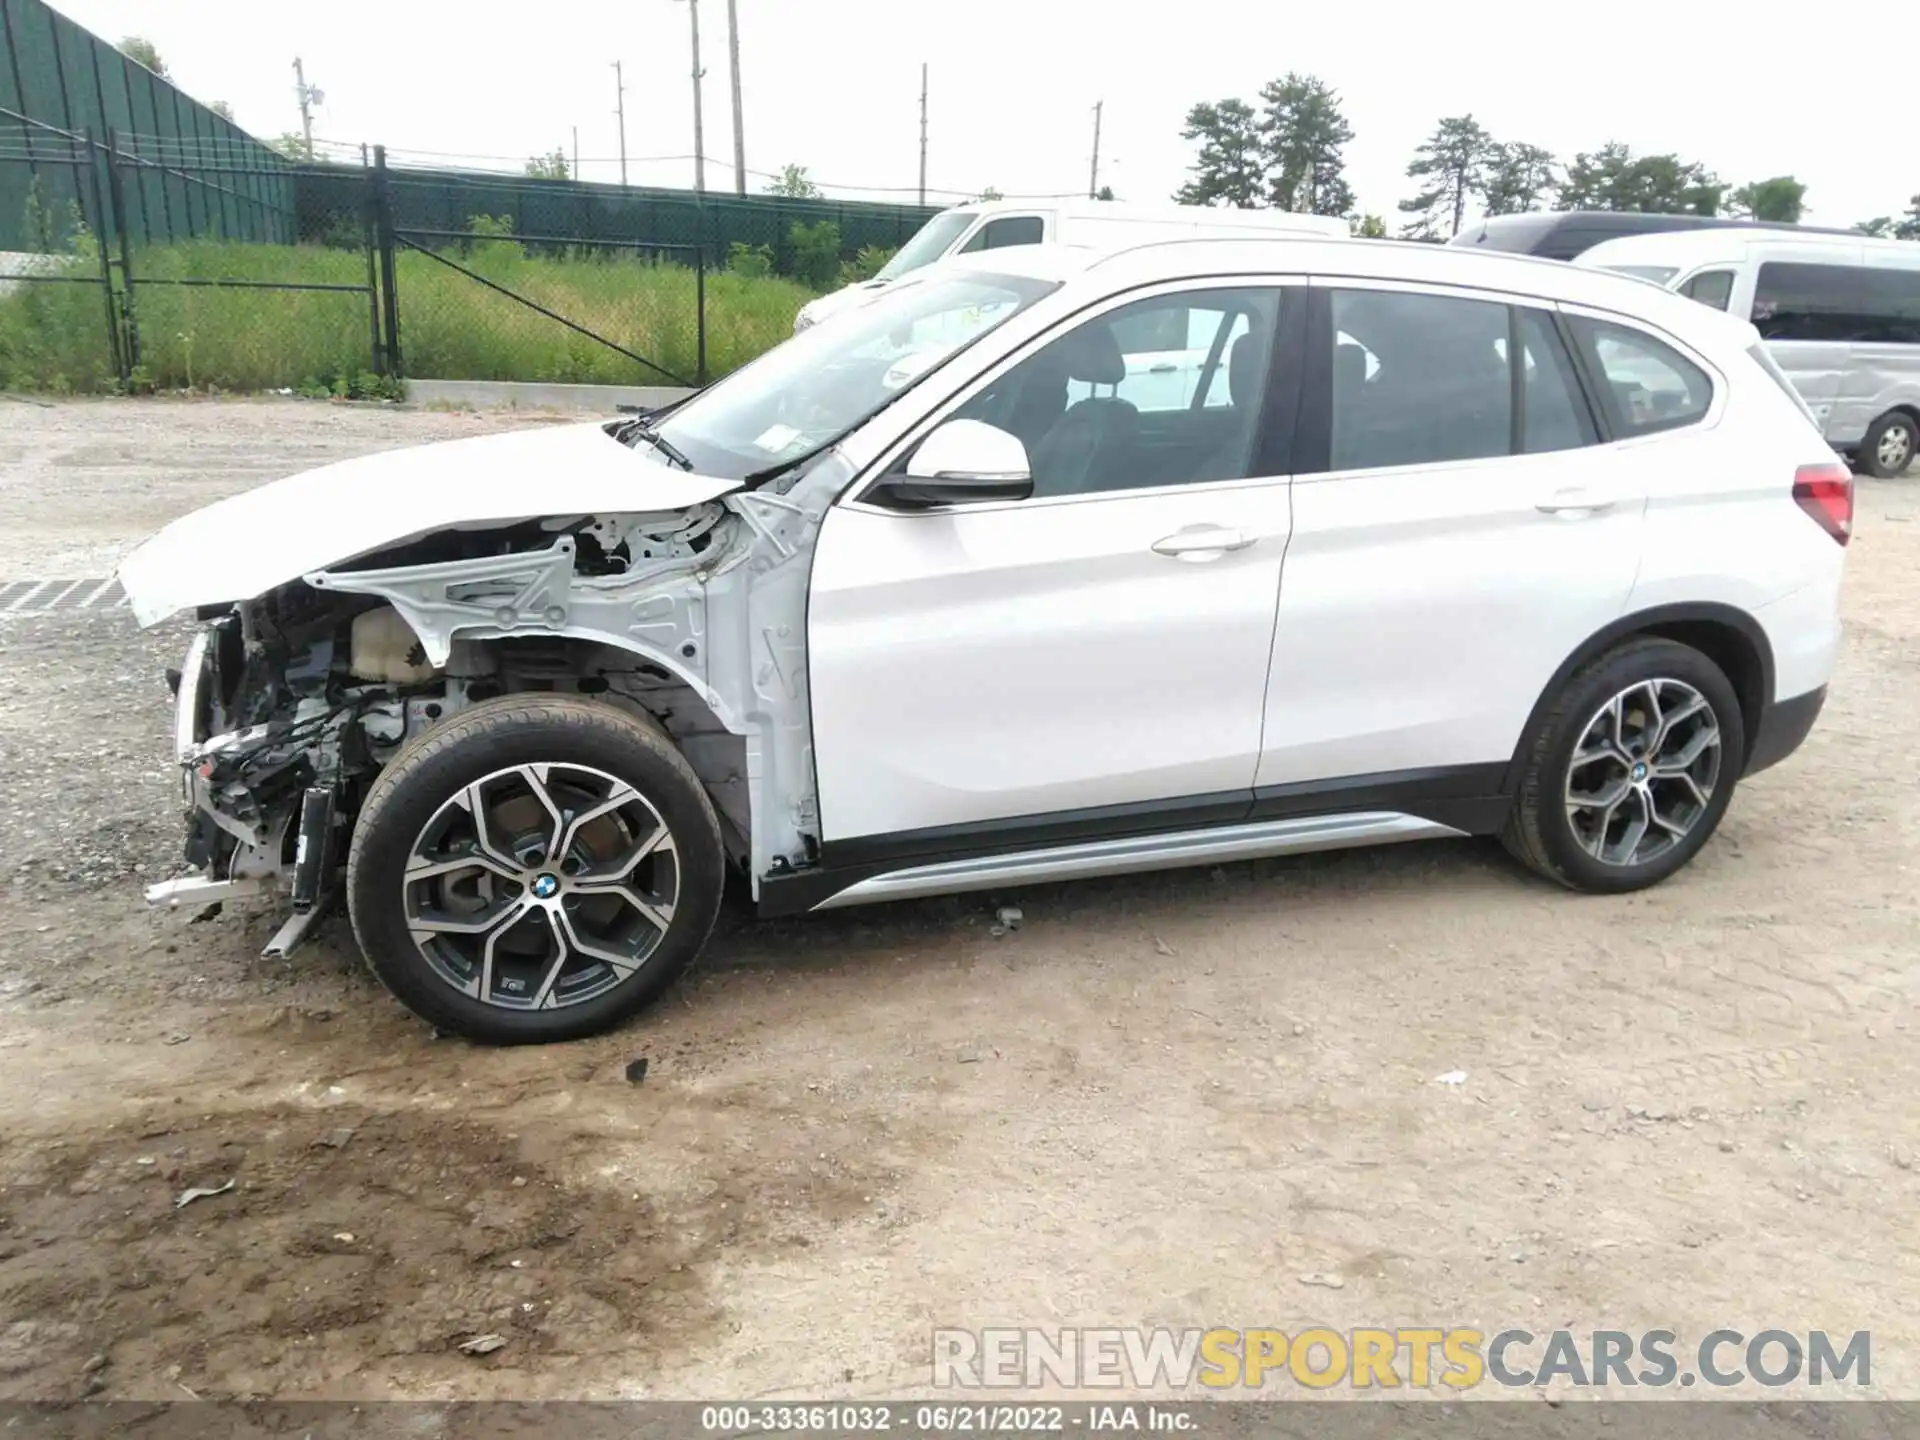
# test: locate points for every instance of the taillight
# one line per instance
(1826, 493)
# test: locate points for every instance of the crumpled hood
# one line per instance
(249, 543)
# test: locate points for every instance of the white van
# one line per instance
(1084, 224)
(1840, 313)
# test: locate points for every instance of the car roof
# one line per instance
(1503, 272)
(1692, 247)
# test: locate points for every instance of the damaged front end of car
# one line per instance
(289, 704)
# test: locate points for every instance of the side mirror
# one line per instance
(961, 462)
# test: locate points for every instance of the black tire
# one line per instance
(494, 735)
(1890, 427)
(1541, 833)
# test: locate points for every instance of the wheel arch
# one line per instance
(1726, 635)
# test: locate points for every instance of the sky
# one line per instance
(834, 84)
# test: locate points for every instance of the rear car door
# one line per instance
(1091, 659)
(1458, 533)
(1807, 314)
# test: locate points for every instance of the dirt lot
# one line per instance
(1163, 1100)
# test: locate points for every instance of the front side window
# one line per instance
(1712, 288)
(1163, 391)
(1007, 230)
(809, 391)
(1418, 379)
(1645, 384)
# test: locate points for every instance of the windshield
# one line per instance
(1658, 274)
(809, 391)
(928, 244)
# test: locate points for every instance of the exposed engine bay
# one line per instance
(289, 704)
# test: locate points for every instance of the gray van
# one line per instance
(1564, 234)
(1839, 313)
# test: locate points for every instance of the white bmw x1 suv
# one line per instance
(1051, 565)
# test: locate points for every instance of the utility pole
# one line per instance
(576, 152)
(1093, 178)
(923, 132)
(739, 134)
(620, 109)
(699, 134)
(309, 96)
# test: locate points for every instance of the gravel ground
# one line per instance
(1162, 1100)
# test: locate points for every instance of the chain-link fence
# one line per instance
(340, 279)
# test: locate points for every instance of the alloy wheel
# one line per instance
(1895, 448)
(541, 886)
(1643, 772)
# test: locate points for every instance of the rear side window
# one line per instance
(1425, 382)
(1859, 303)
(1553, 414)
(1009, 230)
(1427, 379)
(1712, 288)
(1645, 384)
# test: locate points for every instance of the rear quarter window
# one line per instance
(1645, 385)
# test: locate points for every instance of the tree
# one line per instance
(1230, 167)
(1302, 131)
(550, 166)
(1908, 226)
(1105, 192)
(223, 110)
(990, 193)
(1453, 161)
(1613, 178)
(1519, 178)
(141, 50)
(1781, 200)
(1368, 227)
(1880, 227)
(290, 143)
(794, 183)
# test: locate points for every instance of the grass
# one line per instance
(52, 336)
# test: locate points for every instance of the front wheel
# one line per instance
(1891, 443)
(1628, 774)
(537, 868)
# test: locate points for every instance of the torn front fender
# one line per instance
(245, 545)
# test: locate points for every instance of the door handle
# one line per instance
(1166, 367)
(1202, 542)
(1576, 502)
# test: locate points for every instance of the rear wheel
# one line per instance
(537, 868)
(1629, 773)
(1891, 443)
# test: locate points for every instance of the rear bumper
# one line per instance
(1783, 725)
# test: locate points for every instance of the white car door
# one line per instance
(1098, 647)
(1464, 537)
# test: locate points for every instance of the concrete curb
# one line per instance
(540, 395)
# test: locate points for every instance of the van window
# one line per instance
(928, 244)
(1861, 303)
(1007, 230)
(1658, 274)
(1712, 288)
(1646, 385)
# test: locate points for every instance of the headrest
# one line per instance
(1093, 356)
(1243, 368)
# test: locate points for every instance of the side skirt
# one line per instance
(1141, 852)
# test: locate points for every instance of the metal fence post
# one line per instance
(383, 225)
(116, 196)
(368, 227)
(100, 242)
